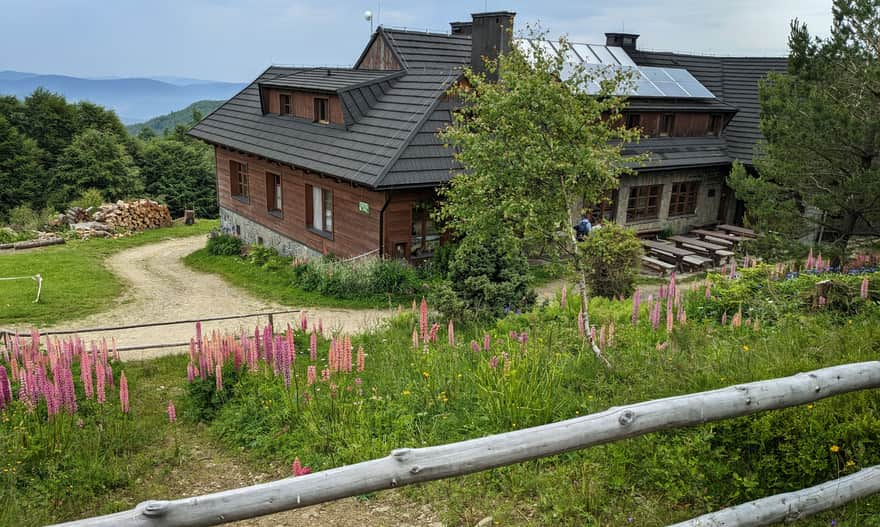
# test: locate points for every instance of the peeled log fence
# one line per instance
(407, 466)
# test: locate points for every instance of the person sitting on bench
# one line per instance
(583, 227)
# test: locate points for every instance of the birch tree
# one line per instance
(535, 146)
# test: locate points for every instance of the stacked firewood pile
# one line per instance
(113, 219)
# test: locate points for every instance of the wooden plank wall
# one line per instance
(686, 124)
(354, 232)
(379, 57)
(304, 104)
(398, 218)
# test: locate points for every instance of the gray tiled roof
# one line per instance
(679, 152)
(733, 80)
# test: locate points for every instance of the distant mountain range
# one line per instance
(135, 100)
(169, 121)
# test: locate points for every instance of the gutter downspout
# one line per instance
(382, 225)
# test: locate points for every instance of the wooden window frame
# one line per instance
(322, 103)
(238, 181)
(667, 124)
(285, 104)
(684, 197)
(274, 194)
(326, 195)
(643, 203)
(633, 120)
(715, 124)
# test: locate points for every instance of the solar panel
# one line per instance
(603, 62)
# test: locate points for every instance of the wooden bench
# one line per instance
(698, 262)
(683, 258)
(657, 265)
(739, 231)
(718, 237)
(716, 252)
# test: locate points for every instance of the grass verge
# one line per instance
(276, 285)
(76, 283)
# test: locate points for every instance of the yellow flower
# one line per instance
(849, 321)
(809, 407)
(425, 374)
(405, 392)
(850, 463)
(834, 448)
(745, 348)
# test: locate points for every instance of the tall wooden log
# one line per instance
(793, 506)
(407, 466)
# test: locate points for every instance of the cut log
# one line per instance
(31, 244)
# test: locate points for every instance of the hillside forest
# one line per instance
(55, 154)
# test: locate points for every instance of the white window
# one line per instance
(321, 204)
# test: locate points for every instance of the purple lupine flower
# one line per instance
(123, 393)
(670, 321)
(493, 362)
(809, 262)
(5, 388)
(313, 346)
(486, 342)
(311, 374)
(423, 320)
(475, 346)
(863, 292)
(172, 413)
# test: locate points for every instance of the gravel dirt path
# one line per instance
(161, 288)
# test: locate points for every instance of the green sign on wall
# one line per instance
(364, 207)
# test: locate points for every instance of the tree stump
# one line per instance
(189, 217)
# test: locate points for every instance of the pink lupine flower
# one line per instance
(5, 388)
(809, 263)
(592, 333)
(298, 469)
(432, 334)
(414, 305)
(123, 393)
(361, 359)
(737, 319)
(563, 297)
(820, 265)
(79, 423)
(172, 413)
(672, 287)
(100, 382)
(304, 322)
(325, 374)
(637, 300)
(313, 347)
(663, 345)
(670, 321)
(475, 346)
(311, 374)
(321, 326)
(582, 329)
(415, 338)
(218, 377)
(486, 342)
(682, 315)
(746, 261)
(450, 333)
(863, 292)
(724, 319)
(423, 320)
(493, 362)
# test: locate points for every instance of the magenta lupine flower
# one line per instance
(100, 382)
(450, 333)
(682, 315)
(325, 374)
(311, 374)
(582, 329)
(5, 388)
(672, 288)
(321, 326)
(218, 377)
(346, 358)
(670, 321)
(361, 359)
(172, 413)
(563, 297)
(486, 342)
(313, 346)
(493, 362)
(863, 292)
(298, 469)
(304, 322)
(475, 346)
(655, 320)
(432, 334)
(637, 300)
(123, 393)
(820, 265)
(423, 320)
(809, 263)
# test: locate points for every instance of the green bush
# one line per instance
(224, 245)
(90, 198)
(611, 256)
(260, 255)
(485, 279)
(23, 218)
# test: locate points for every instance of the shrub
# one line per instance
(23, 218)
(224, 245)
(611, 257)
(91, 198)
(486, 277)
(260, 255)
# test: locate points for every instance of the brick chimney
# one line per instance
(491, 35)
(626, 41)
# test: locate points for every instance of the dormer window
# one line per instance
(667, 124)
(284, 99)
(321, 115)
(714, 124)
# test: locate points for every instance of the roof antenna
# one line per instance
(368, 16)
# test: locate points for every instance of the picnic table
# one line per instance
(681, 257)
(719, 237)
(712, 250)
(739, 231)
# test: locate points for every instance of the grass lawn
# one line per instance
(278, 285)
(76, 283)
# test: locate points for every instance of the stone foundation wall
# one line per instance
(254, 233)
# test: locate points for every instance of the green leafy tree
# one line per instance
(20, 170)
(821, 121)
(98, 160)
(535, 148)
(612, 256)
(181, 174)
(50, 121)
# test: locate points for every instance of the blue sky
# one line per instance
(235, 39)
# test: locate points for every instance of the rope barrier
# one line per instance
(37, 278)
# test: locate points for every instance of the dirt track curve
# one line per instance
(161, 288)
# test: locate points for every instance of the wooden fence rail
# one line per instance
(413, 465)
